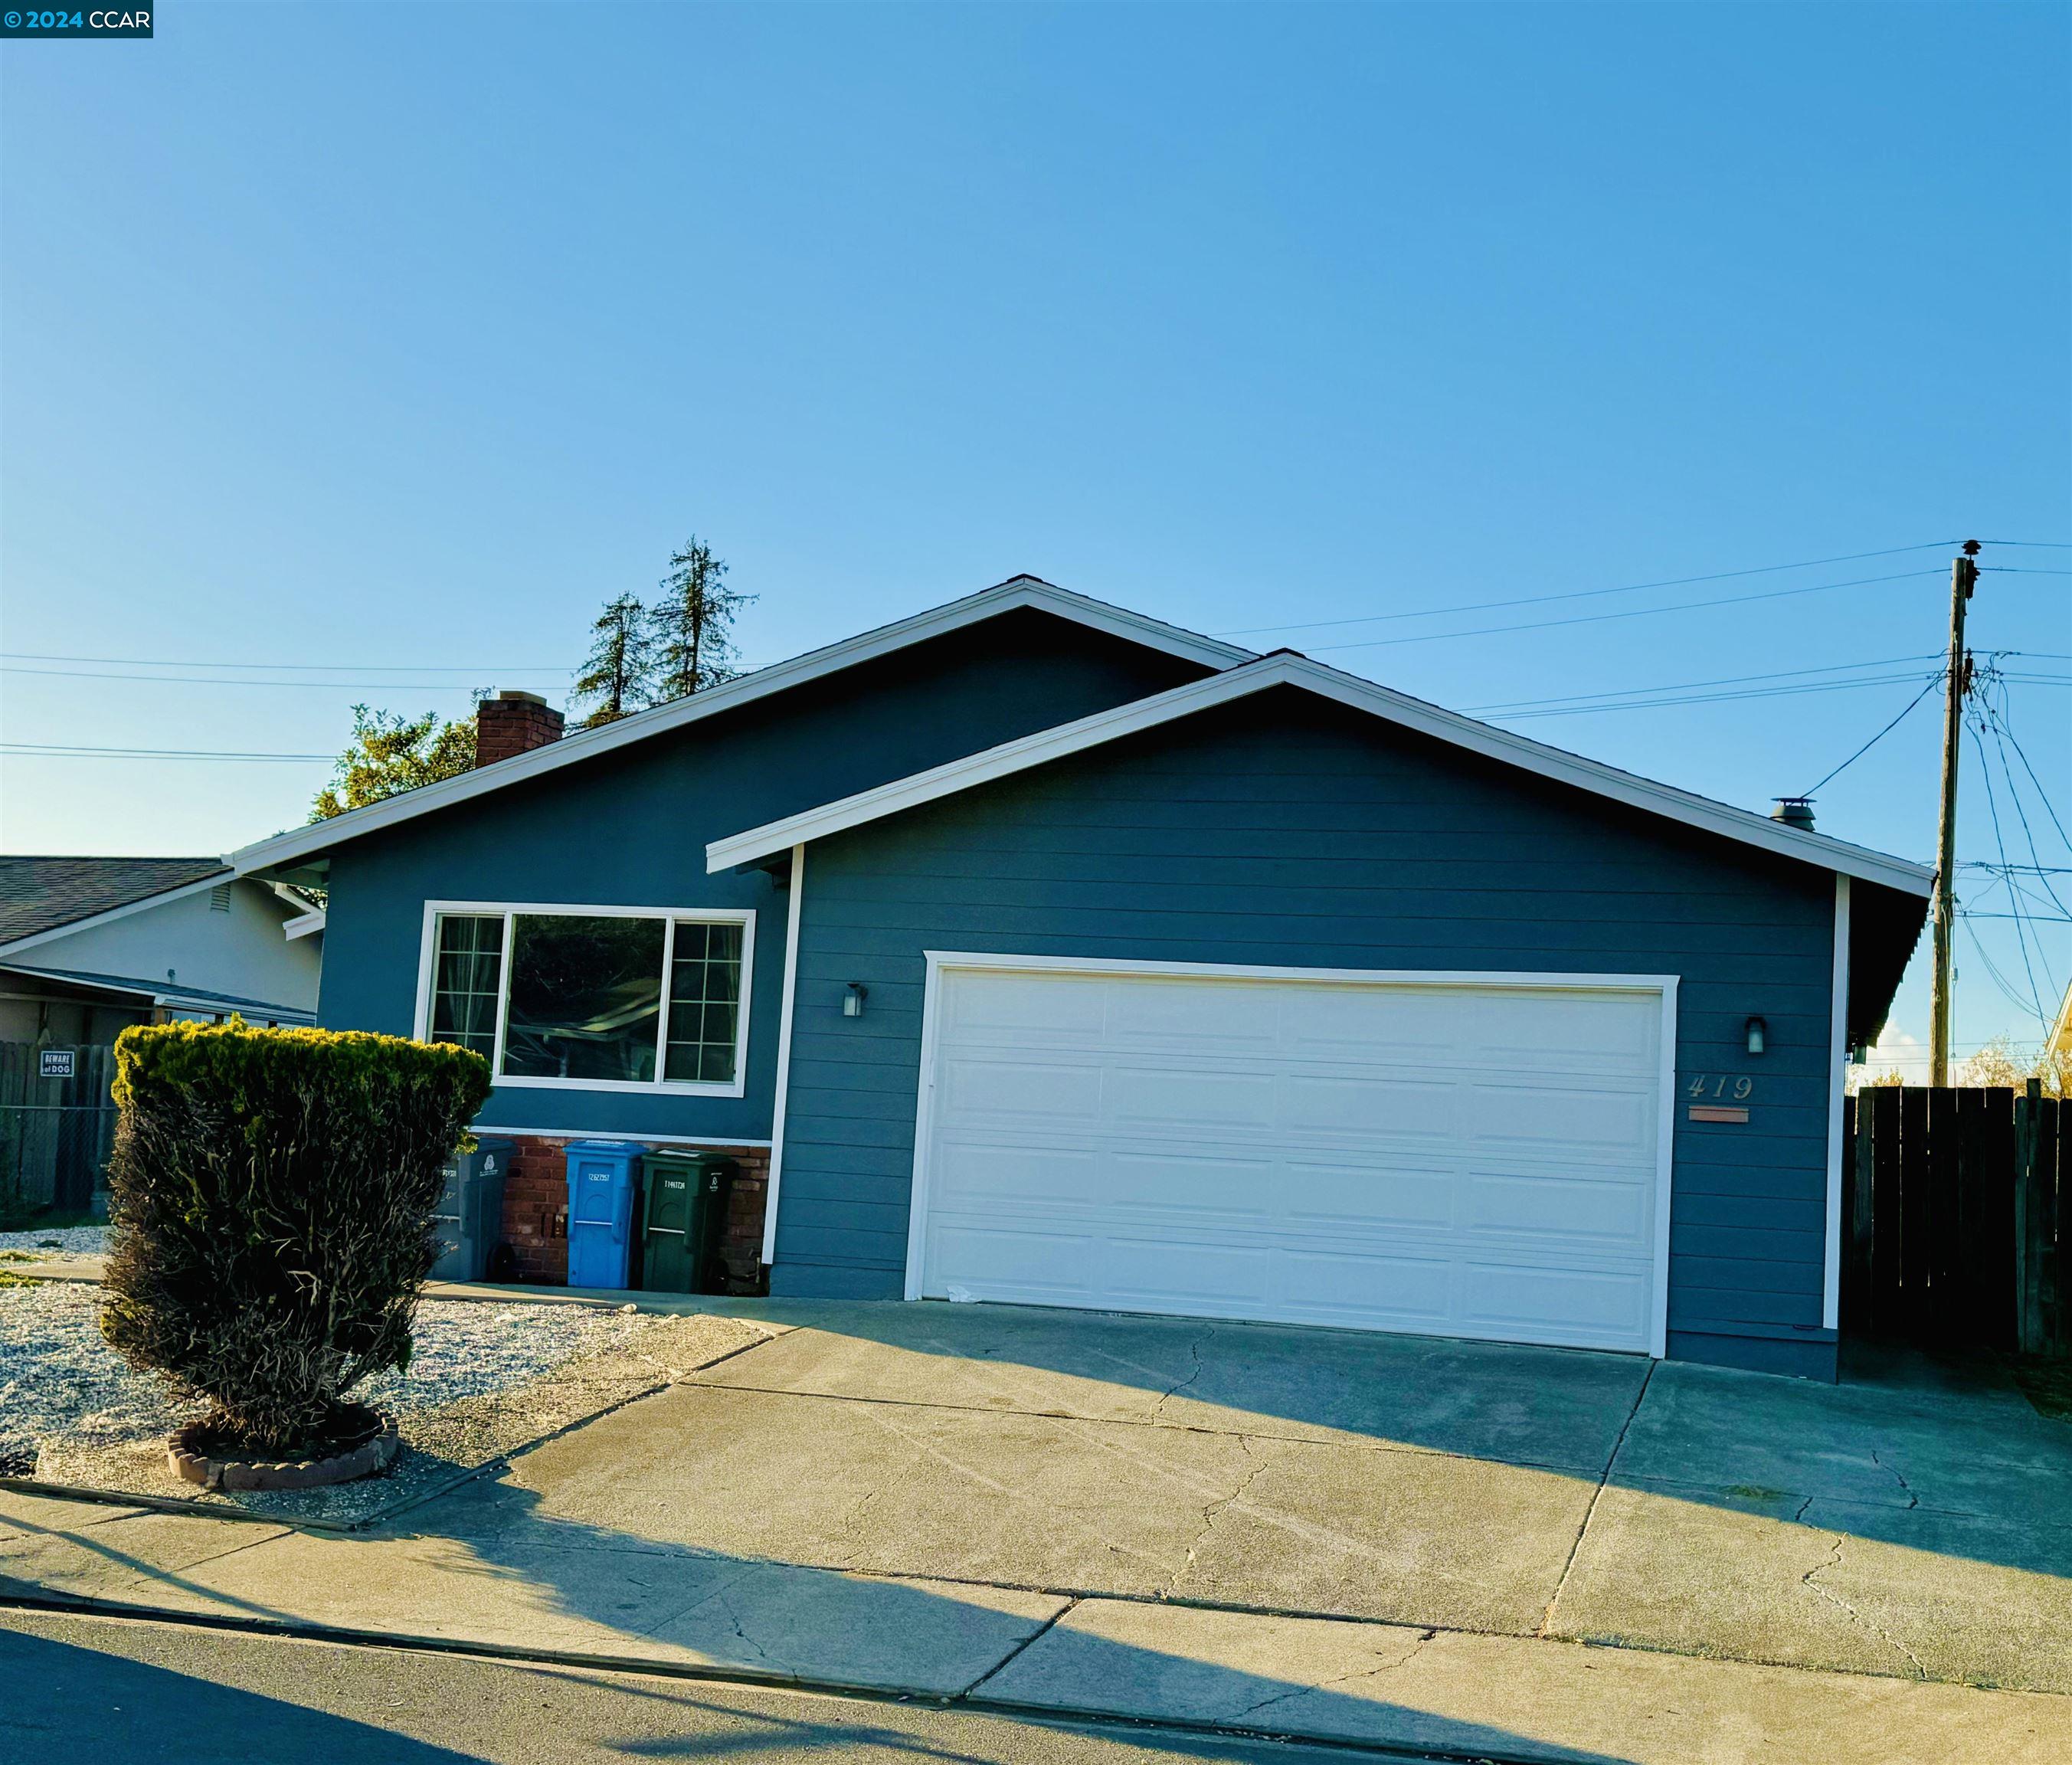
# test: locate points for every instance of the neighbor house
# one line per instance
(1032, 950)
(91, 945)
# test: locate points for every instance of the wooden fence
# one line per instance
(1953, 1229)
(55, 1135)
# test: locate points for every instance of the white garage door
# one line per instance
(1469, 1157)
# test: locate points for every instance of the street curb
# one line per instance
(749, 1676)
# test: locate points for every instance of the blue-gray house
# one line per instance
(1032, 950)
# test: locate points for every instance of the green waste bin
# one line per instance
(683, 1214)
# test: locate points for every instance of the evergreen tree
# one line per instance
(390, 754)
(618, 675)
(693, 624)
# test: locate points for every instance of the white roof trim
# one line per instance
(303, 925)
(285, 849)
(36, 940)
(1290, 670)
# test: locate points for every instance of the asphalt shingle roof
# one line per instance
(41, 893)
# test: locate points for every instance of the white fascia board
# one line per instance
(36, 939)
(1397, 708)
(304, 925)
(285, 849)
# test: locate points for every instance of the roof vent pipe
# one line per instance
(1794, 812)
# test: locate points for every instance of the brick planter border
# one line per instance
(196, 1466)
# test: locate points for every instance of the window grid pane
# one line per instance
(467, 978)
(705, 1003)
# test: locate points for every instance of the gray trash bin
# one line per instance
(469, 1219)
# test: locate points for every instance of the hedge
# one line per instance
(270, 1197)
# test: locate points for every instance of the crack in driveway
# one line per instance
(1409, 1654)
(1833, 1560)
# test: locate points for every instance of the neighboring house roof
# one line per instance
(1286, 668)
(178, 997)
(40, 896)
(2059, 1041)
(282, 852)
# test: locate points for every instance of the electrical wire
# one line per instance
(1935, 681)
(285, 668)
(1678, 686)
(60, 750)
(2020, 929)
(1588, 594)
(211, 680)
(1636, 612)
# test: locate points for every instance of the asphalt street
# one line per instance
(132, 1692)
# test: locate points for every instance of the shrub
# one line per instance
(270, 1195)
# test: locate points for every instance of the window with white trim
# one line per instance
(601, 998)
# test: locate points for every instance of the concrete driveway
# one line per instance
(1378, 1540)
(1892, 1525)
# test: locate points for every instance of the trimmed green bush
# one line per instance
(270, 1195)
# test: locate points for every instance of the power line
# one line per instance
(2021, 569)
(61, 750)
(1637, 612)
(1588, 594)
(2020, 929)
(285, 668)
(1678, 686)
(209, 680)
(1708, 698)
(1935, 681)
(2033, 544)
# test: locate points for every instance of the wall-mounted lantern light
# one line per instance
(853, 999)
(1758, 1033)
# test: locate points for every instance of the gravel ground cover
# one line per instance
(485, 1380)
(47, 1246)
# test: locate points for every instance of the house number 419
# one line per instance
(1720, 1084)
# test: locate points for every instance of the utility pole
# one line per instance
(1964, 577)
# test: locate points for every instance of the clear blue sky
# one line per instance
(367, 336)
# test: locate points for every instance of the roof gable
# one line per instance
(1286, 668)
(45, 894)
(285, 850)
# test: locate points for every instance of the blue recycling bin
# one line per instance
(604, 1178)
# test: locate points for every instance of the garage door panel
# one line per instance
(983, 1173)
(1013, 1264)
(1596, 1032)
(1387, 1025)
(1368, 1193)
(1160, 1016)
(1174, 1096)
(1376, 1104)
(994, 1089)
(1186, 1184)
(1371, 1292)
(1157, 1274)
(1446, 1157)
(1023, 1009)
(1578, 1209)
(1576, 1121)
(1520, 1297)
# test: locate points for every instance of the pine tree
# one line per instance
(693, 624)
(618, 675)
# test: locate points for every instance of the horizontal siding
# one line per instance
(629, 829)
(1288, 833)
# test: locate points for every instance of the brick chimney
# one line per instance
(513, 723)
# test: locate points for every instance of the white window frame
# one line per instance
(508, 911)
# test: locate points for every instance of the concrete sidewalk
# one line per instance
(660, 1608)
